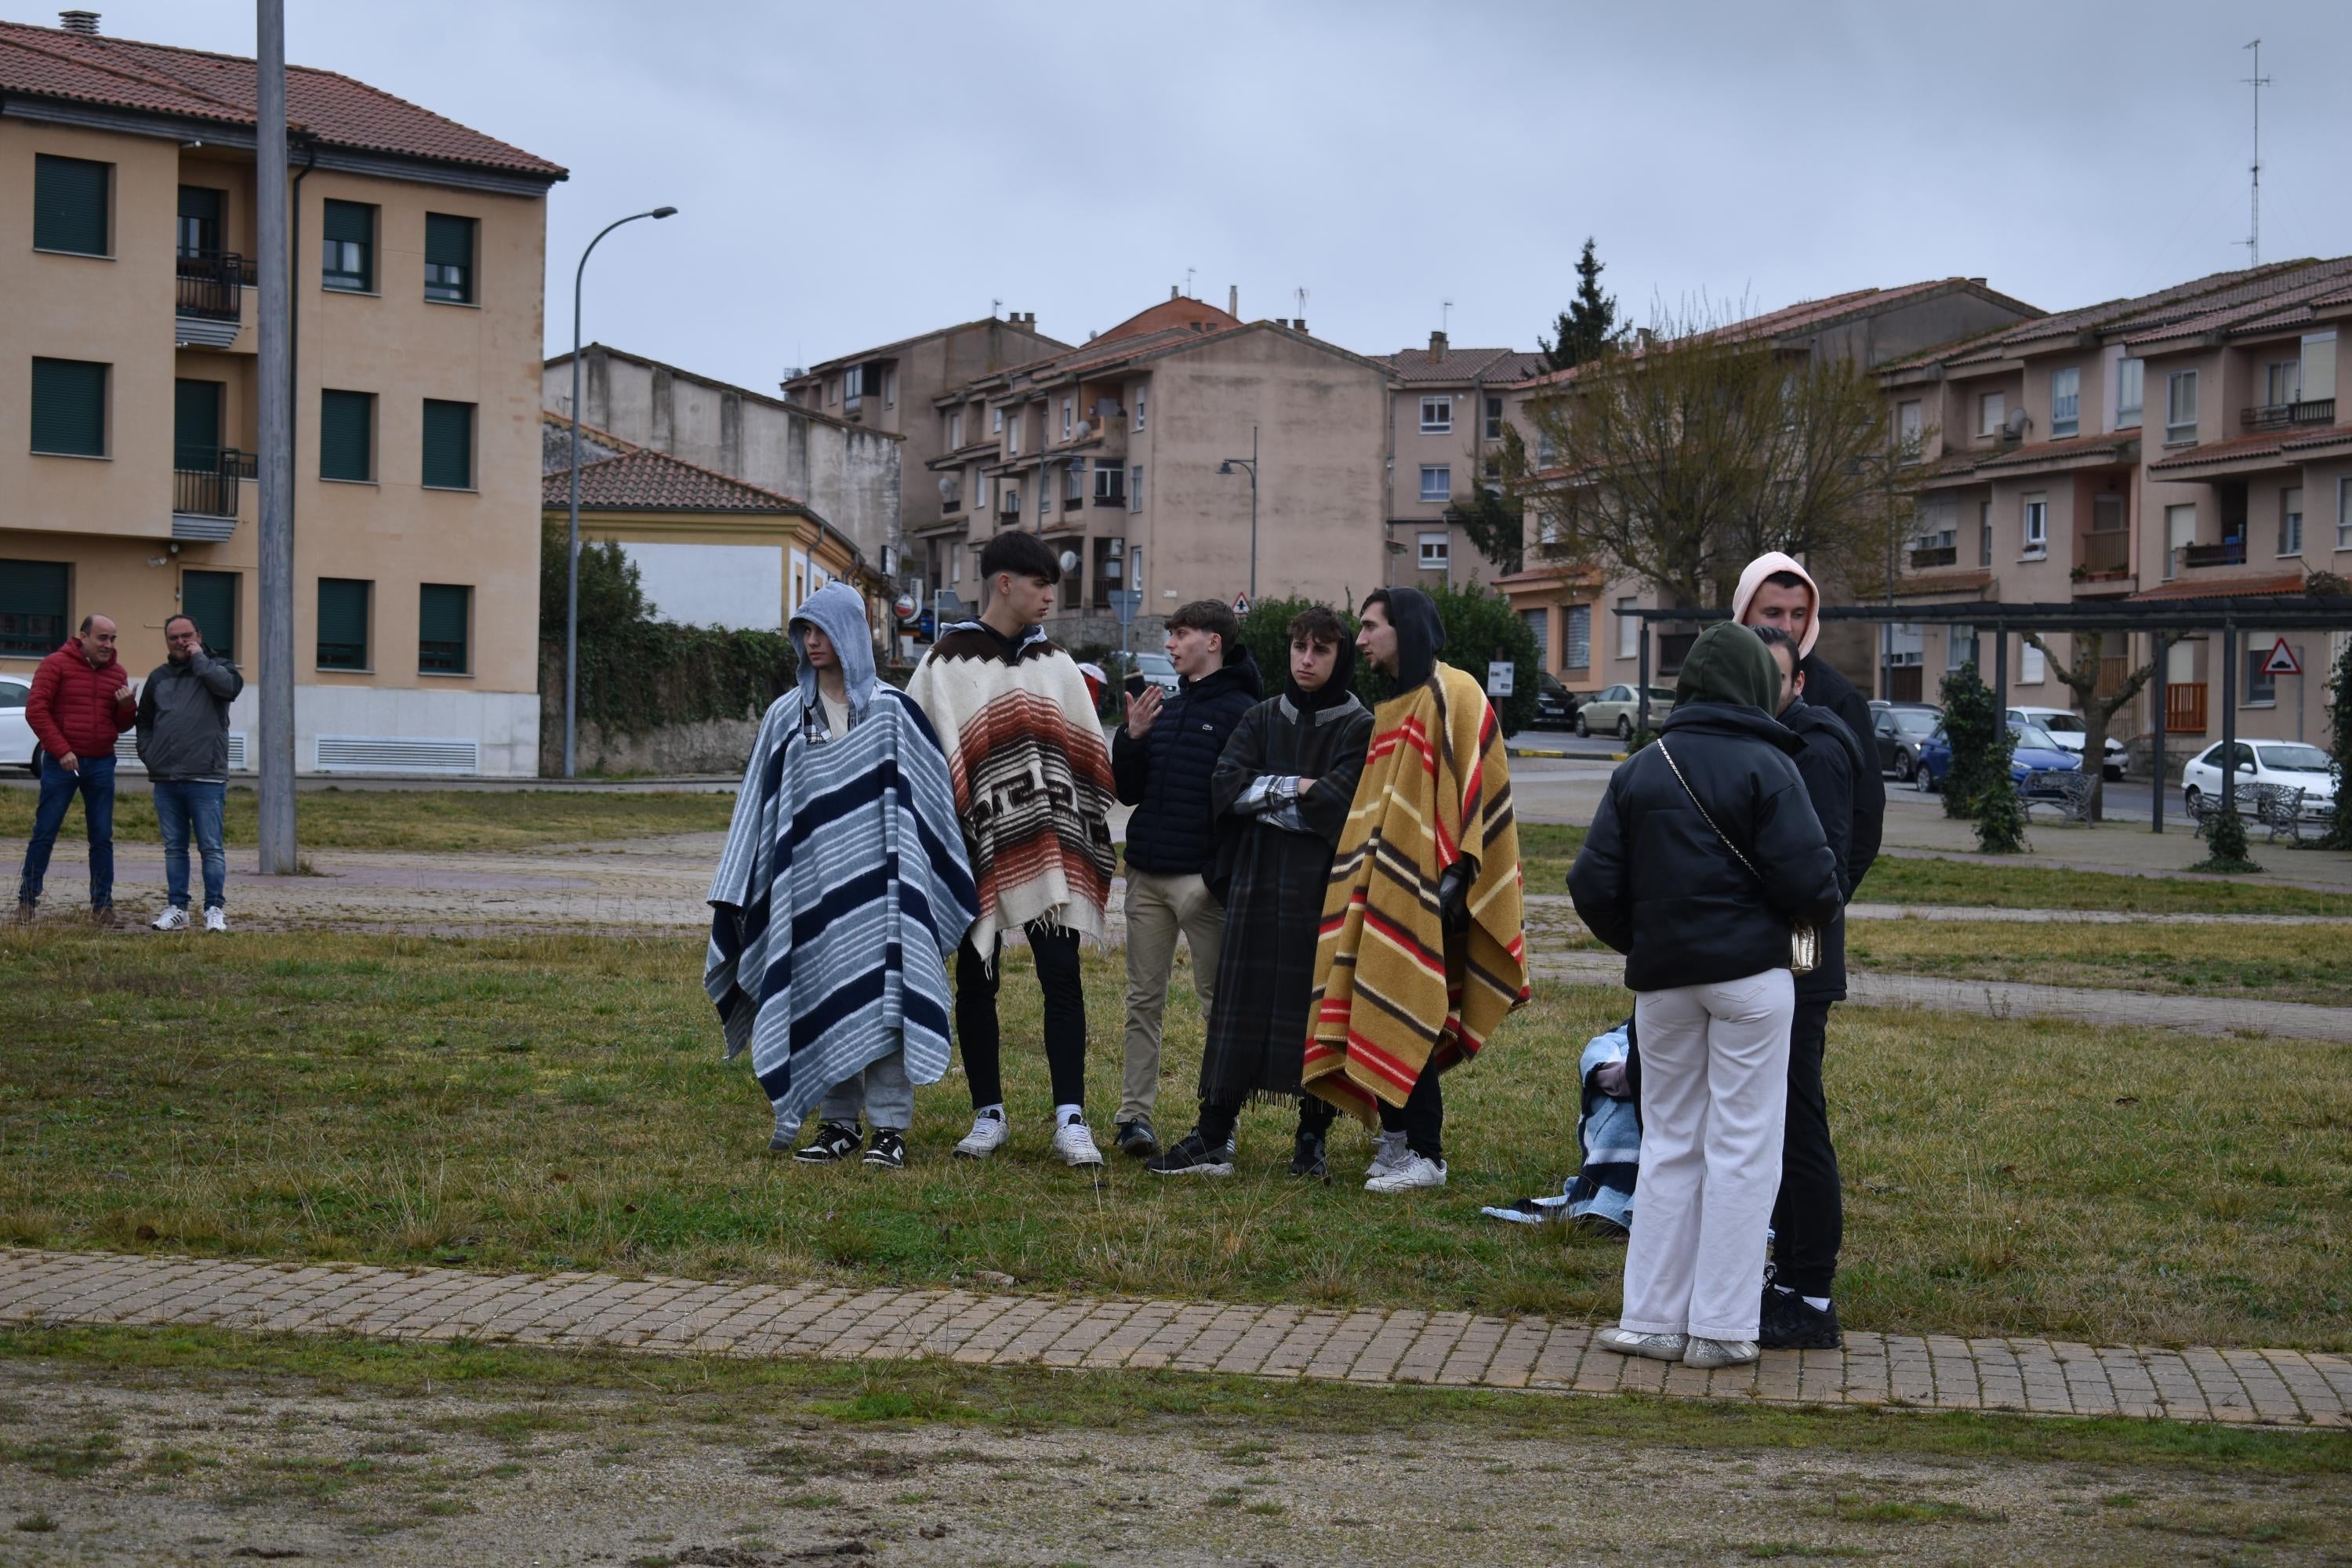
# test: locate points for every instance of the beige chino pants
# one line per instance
(1157, 907)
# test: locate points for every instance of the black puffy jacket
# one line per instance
(1827, 686)
(1829, 761)
(1655, 883)
(1165, 775)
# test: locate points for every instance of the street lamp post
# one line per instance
(572, 558)
(1250, 463)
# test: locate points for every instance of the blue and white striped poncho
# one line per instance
(843, 888)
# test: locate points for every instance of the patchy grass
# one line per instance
(2275, 964)
(449, 821)
(541, 1104)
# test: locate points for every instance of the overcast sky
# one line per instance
(852, 173)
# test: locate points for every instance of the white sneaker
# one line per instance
(1074, 1144)
(1388, 1151)
(987, 1136)
(171, 919)
(1416, 1172)
(216, 918)
(1709, 1353)
(1633, 1341)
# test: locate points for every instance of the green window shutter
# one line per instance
(32, 607)
(342, 623)
(196, 426)
(449, 259)
(448, 445)
(348, 238)
(69, 204)
(346, 435)
(441, 617)
(70, 407)
(209, 598)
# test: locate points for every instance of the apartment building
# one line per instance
(1572, 606)
(128, 402)
(846, 473)
(1138, 452)
(2147, 450)
(1445, 437)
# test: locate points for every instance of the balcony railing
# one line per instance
(2229, 552)
(2105, 552)
(951, 506)
(212, 284)
(2114, 671)
(2184, 708)
(211, 491)
(1926, 555)
(2285, 415)
(1115, 497)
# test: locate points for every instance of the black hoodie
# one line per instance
(1830, 765)
(1165, 775)
(1420, 635)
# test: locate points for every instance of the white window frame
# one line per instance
(2067, 402)
(1013, 435)
(2034, 527)
(955, 428)
(1629, 630)
(1493, 419)
(1992, 412)
(2180, 389)
(1445, 490)
(889, 386)
(2033, 666)
(997, 420)
(1135, 488)
(2131, 375)
(1437, 415)
(2282, 375)
(1436, 550)
(2178, 537)
(1984, 533)
(1547, 450)
(1069, 417)
(1141, 395)
(1575, 631)
(1957, 637)
(2290, 520)
(1910, 429)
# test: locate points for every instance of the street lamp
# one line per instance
(1250, 463)
(572, 562)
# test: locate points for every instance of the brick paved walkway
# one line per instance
(683, 1316)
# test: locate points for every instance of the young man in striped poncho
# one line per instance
(1033, 785)
(1421, 952)
(841, 891)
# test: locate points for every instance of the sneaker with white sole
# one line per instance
(1415, 1172)
(1704, 1352)
(987, 1136)
(171, 919)
(1633, 1341)
(1388, 1151)
(215, 919)
(833, 1141)
(1074, 1144)
(1190, 1156)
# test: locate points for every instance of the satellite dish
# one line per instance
(1084, 429)
(947, 489)
(1070, 562)
(2014, 426)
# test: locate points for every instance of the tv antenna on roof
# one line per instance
(1188, 281)
(2253, 241)
(993, 307)
(1302, 303)
(1444, 315)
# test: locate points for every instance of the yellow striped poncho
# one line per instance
(1395, 995)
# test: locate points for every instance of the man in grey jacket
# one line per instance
(184, 742)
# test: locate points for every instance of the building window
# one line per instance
(1629, 630)
(1142, 394)
(448, 446)
(2262, 686)
(996, 421)
(70, 205)
(344, 623)
(202, 211)
(1074, 482)
(2067, 402)
(979, 492)
(2282, 383)
(1546, 451)
(955, 429)
(2317, 377)
(347, 436)
(449, 259)
(889, 386)
(2291, 520)
(2032, 666)
(1493, 419)
(1992, 408)
(1110, 483)
(1959, 647)
(32, 607)
(1577, 638)
(1069, 417)
(70, 407)
(196, 425)
(2131, 378)
(1984, 533)
(1436, 483)
(209, 599)
(2179, 533)
(1437, 415)
(2344, 513)
(1135, 488)
(350, 248)
(1008, 500)
(2036, 531)
(1013, 435)
(444, 611)
(1540, 627)
(2180, 407)
(1910, 430)
(1434, 552)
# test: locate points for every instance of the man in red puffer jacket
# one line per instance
(81, 701)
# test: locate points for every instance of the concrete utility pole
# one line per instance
(275, 440)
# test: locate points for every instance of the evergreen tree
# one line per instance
(1589, 322)
(1978, 738)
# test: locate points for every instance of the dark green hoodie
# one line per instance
(1728, 663)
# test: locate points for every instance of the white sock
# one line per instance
(997, 1111)
(1066, 1114)
(1818, 1303)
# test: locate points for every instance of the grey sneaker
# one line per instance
(1416, 1172)
(1719, 1353)
(1657, 1347)
(1136, 1138)
(25, 912)
(1388, 1151)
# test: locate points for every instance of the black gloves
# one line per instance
(1453, 896)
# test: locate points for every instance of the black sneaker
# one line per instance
(1190, 1156)
(1788, 1323)
(1306, 1157)
(1136, 1138)
(888, 1149)
(834, 1141)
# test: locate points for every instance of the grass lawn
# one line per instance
(2275, 963)
(559, 1102)
(452, 821)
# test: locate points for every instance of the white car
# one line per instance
(2065, 726)
(2288, 763)
(18, 746)
(1619, 708)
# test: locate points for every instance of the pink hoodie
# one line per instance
(1764, 566)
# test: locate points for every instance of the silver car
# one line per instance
(1619, 708)
(18, 746)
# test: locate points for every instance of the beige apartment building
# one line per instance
(2183, 445)
(1132, 454)
(129, 405)
(1446, 420)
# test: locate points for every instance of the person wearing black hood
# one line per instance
(1160, 762)
(1704, 855)
(1281, 791)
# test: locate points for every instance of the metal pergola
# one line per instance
(2280, 613)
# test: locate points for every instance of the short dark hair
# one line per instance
(1786, 580)
(1377, 597)
(1023, 555)
(86, 622)
(1208, 616)
(1319, 622)
(1778, 637)
(182, 616)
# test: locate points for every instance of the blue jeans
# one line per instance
(95, 781)
(181, 804)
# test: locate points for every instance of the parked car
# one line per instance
(2034, 750)
(1619, 708)
(18, 749)
(2288, 763)
(1556, 705)
(1899, 730)
(1158, 670)
(2066, 727)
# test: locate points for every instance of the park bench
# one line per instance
(2067, 793)
(2276, 807)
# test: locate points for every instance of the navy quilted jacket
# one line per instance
(1165, 775)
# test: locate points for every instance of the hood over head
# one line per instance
(1241, 669)
(1334, 691)
(1728, 663)
(1766, 565)
(838, 611)
(1421, 637)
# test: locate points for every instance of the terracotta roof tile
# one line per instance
(157, 78)
(2263, 301)
(2223, 588)
(642, 480)
(2136, 314)
(2269, 443)
(1415, 368)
